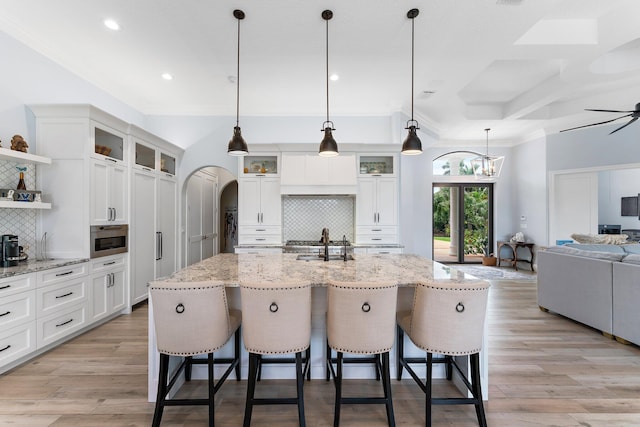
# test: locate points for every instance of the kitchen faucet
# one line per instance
(325, 240)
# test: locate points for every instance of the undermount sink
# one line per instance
(316, 257)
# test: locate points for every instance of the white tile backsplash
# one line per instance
(304, 217)
(21, 222)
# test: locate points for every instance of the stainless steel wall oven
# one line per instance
(109, 240)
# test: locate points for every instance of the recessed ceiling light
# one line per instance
(334, 77)
(167, 76)
(111, 24)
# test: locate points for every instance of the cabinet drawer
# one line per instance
(384, 250)
(13, 285)
(58, 296)
(257, 229)
(17, 342)
(61, 274)
(108, 263)
(54, 327)
(380, 239)
(265, 239)
(258, 250)
(376, 230)
(17, 309)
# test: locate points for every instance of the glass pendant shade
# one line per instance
(412, 144)
(237, 145)
(487, 167)
(328, 146)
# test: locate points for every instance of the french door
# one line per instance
(462, 222)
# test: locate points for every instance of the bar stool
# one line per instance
(277, 320)
(361, 320)
(192, 318)
(446, 319)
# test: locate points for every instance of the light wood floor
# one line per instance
(544, 371)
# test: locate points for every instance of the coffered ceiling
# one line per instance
(517, 66)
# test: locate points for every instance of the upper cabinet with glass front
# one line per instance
(108, 144)
(152, 154)
(259, 164)
(377, 164)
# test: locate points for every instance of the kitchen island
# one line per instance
(234, 269)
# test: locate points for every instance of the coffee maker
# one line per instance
(9, 250)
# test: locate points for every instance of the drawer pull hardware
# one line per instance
(5, 287)
(366, 307)
(376, 229)
(65, 295)
(65, 273)
(460, 307)
(109, 263)
(6, 348)
(260, 229)
(64, 323)
(273, 307)
(376, 239)
(4, 314)
(261, 239)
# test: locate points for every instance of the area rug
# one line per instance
(497, 273)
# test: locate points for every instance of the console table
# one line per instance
(514, 249)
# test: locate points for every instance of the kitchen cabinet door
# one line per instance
(249, 201)
(109, 194)
(366, 206)
(270, 201)
(167, 226)
(108, 293)
(142, 233)
(387, 201)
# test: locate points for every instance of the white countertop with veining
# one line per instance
(32, 266)
(403, 269)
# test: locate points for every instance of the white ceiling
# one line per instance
(516, 66)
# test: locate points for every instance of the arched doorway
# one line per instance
(204, 212)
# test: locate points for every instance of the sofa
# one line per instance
(595, 284)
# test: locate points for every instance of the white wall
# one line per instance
(529, 190)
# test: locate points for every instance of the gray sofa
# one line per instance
(598, 285)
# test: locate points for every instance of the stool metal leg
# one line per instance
(477, 389)
(188, 368)
(427, 392)
(300, 391)
(251, 388)
(236, 351)
(338, 382)
(162, 389)
(399, 353)
(211, 387)
(386, 385)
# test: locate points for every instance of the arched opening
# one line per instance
(207, 194)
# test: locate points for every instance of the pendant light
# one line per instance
(237, 145)
(328, 146)
(412, 145)
(487, 167)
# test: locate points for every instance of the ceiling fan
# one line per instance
(634, 114)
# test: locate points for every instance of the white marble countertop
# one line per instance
(403, 269)
(32, 266)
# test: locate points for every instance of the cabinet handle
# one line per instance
(376, 229)
(66, 273)
(261, 229)
(65, 295)
(113, 279)
(157, 245)
(6, 348)
(260, 239)
(161, 245)
(376, 238)
(109, 263)
(261, 218)
(64, 323)
(115, 213)
(4, 314)
(146, 169)
(5, 287)
(110, 159)
(258, 217)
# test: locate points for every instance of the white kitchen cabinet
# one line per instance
(108, 286)
(17, 318)
(259, 201)
(153, 230)
(167, 225)
(256, 250)
(377, 210)
(109, 196)
(259, 210)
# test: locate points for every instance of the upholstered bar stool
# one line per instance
(192, 318)
(277, 320)
(447, 320)
(361, 320)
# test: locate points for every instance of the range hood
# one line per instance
(315, 175)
